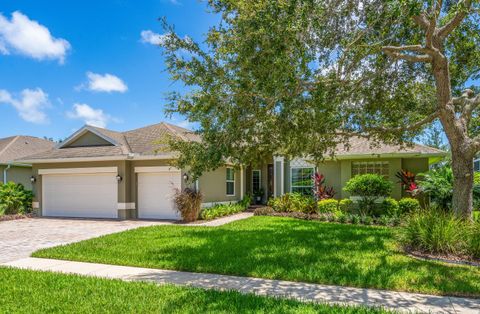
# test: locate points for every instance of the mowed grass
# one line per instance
(23, 291)
(279, 248)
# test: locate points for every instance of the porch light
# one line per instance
(185, 176)
(119, 178)
(33, 179)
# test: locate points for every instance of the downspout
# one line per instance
(5, 173)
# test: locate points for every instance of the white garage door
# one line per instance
(155, 195)
(80, 195)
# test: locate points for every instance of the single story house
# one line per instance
(16, 147)
(99, 173)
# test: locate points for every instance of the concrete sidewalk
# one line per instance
(400, 301)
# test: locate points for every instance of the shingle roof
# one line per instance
(141, 142)
(16, 147)
(146, 141)
(363, 146)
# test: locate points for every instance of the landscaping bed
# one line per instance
(15, 217)
(279, 248)
(23, 291)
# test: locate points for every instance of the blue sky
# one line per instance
(79, 61)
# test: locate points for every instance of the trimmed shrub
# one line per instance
(263, 211)
(188, 203)
(369, 187)
(390, 207)
(328, 206)
(434, 231)
(346, 205)
(15, 199)
(221, 210)
(293, 202)
(366, 220)
(354, 219)
(408, 205)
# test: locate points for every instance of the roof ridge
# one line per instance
(168, 126)
(9, 144)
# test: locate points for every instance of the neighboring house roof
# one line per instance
(135, 144)
(358, 146)
(16, 147)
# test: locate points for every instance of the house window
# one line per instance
(256, 181)
(476, 165)
(301, 180)
(230, 182)
(371, 167)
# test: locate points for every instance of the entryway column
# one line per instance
(279, 175)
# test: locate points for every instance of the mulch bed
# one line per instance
(15, 217)
(449, 259)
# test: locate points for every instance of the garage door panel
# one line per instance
(155, 195)
(80, 195)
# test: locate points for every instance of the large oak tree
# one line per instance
(296, 77)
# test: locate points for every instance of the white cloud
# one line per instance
(27, 37)
(104, 83)
(91, 116)
(149, 37)
(31, 104)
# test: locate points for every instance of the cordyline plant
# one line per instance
(320, 190)
(298, 78)
(407, 180)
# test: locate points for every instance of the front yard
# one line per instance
(279, 248)
(24, 291)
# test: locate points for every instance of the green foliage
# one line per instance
(438, 185)
(408, 205)
(188, 203)
(346, 205)
(15, 199)
(369, 187)
(293, 202)
(390, 207)
(246, 201)
(437, 231)
(328, 206)
(221, 210)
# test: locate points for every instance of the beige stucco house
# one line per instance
(101, 173)
(16, 147)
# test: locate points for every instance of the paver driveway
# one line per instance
(19, 238)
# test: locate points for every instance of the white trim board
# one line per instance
(156, 169)
(90, 170)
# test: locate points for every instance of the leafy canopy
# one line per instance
(297, 77)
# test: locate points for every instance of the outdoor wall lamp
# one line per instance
(185, 176)
(119, 178)
(33, 179)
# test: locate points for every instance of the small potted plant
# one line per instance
(259, 195)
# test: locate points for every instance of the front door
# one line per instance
(270, 181)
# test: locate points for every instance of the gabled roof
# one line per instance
(16, 147)
(142, 142)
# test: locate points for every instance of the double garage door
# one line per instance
(95, 195)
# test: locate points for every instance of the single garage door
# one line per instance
(155, 195)
(80, 195)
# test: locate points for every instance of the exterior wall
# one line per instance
(89, 139)
(213, 186)
(18, 175)
(332, 170)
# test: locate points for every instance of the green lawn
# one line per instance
(24, 291)
(279, 248)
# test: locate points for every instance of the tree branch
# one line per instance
(411, 58)
(469, 103)
(410, 127)
(416, 48)
(422, 21)
(463, 9)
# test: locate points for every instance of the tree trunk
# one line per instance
(462, 167)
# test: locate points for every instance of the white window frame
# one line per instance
(227, 181)
(298, 186)
(259, 179)
(383, 162)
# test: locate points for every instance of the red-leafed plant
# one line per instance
(320, 190)
(407, 180)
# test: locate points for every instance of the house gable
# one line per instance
(87, 137)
